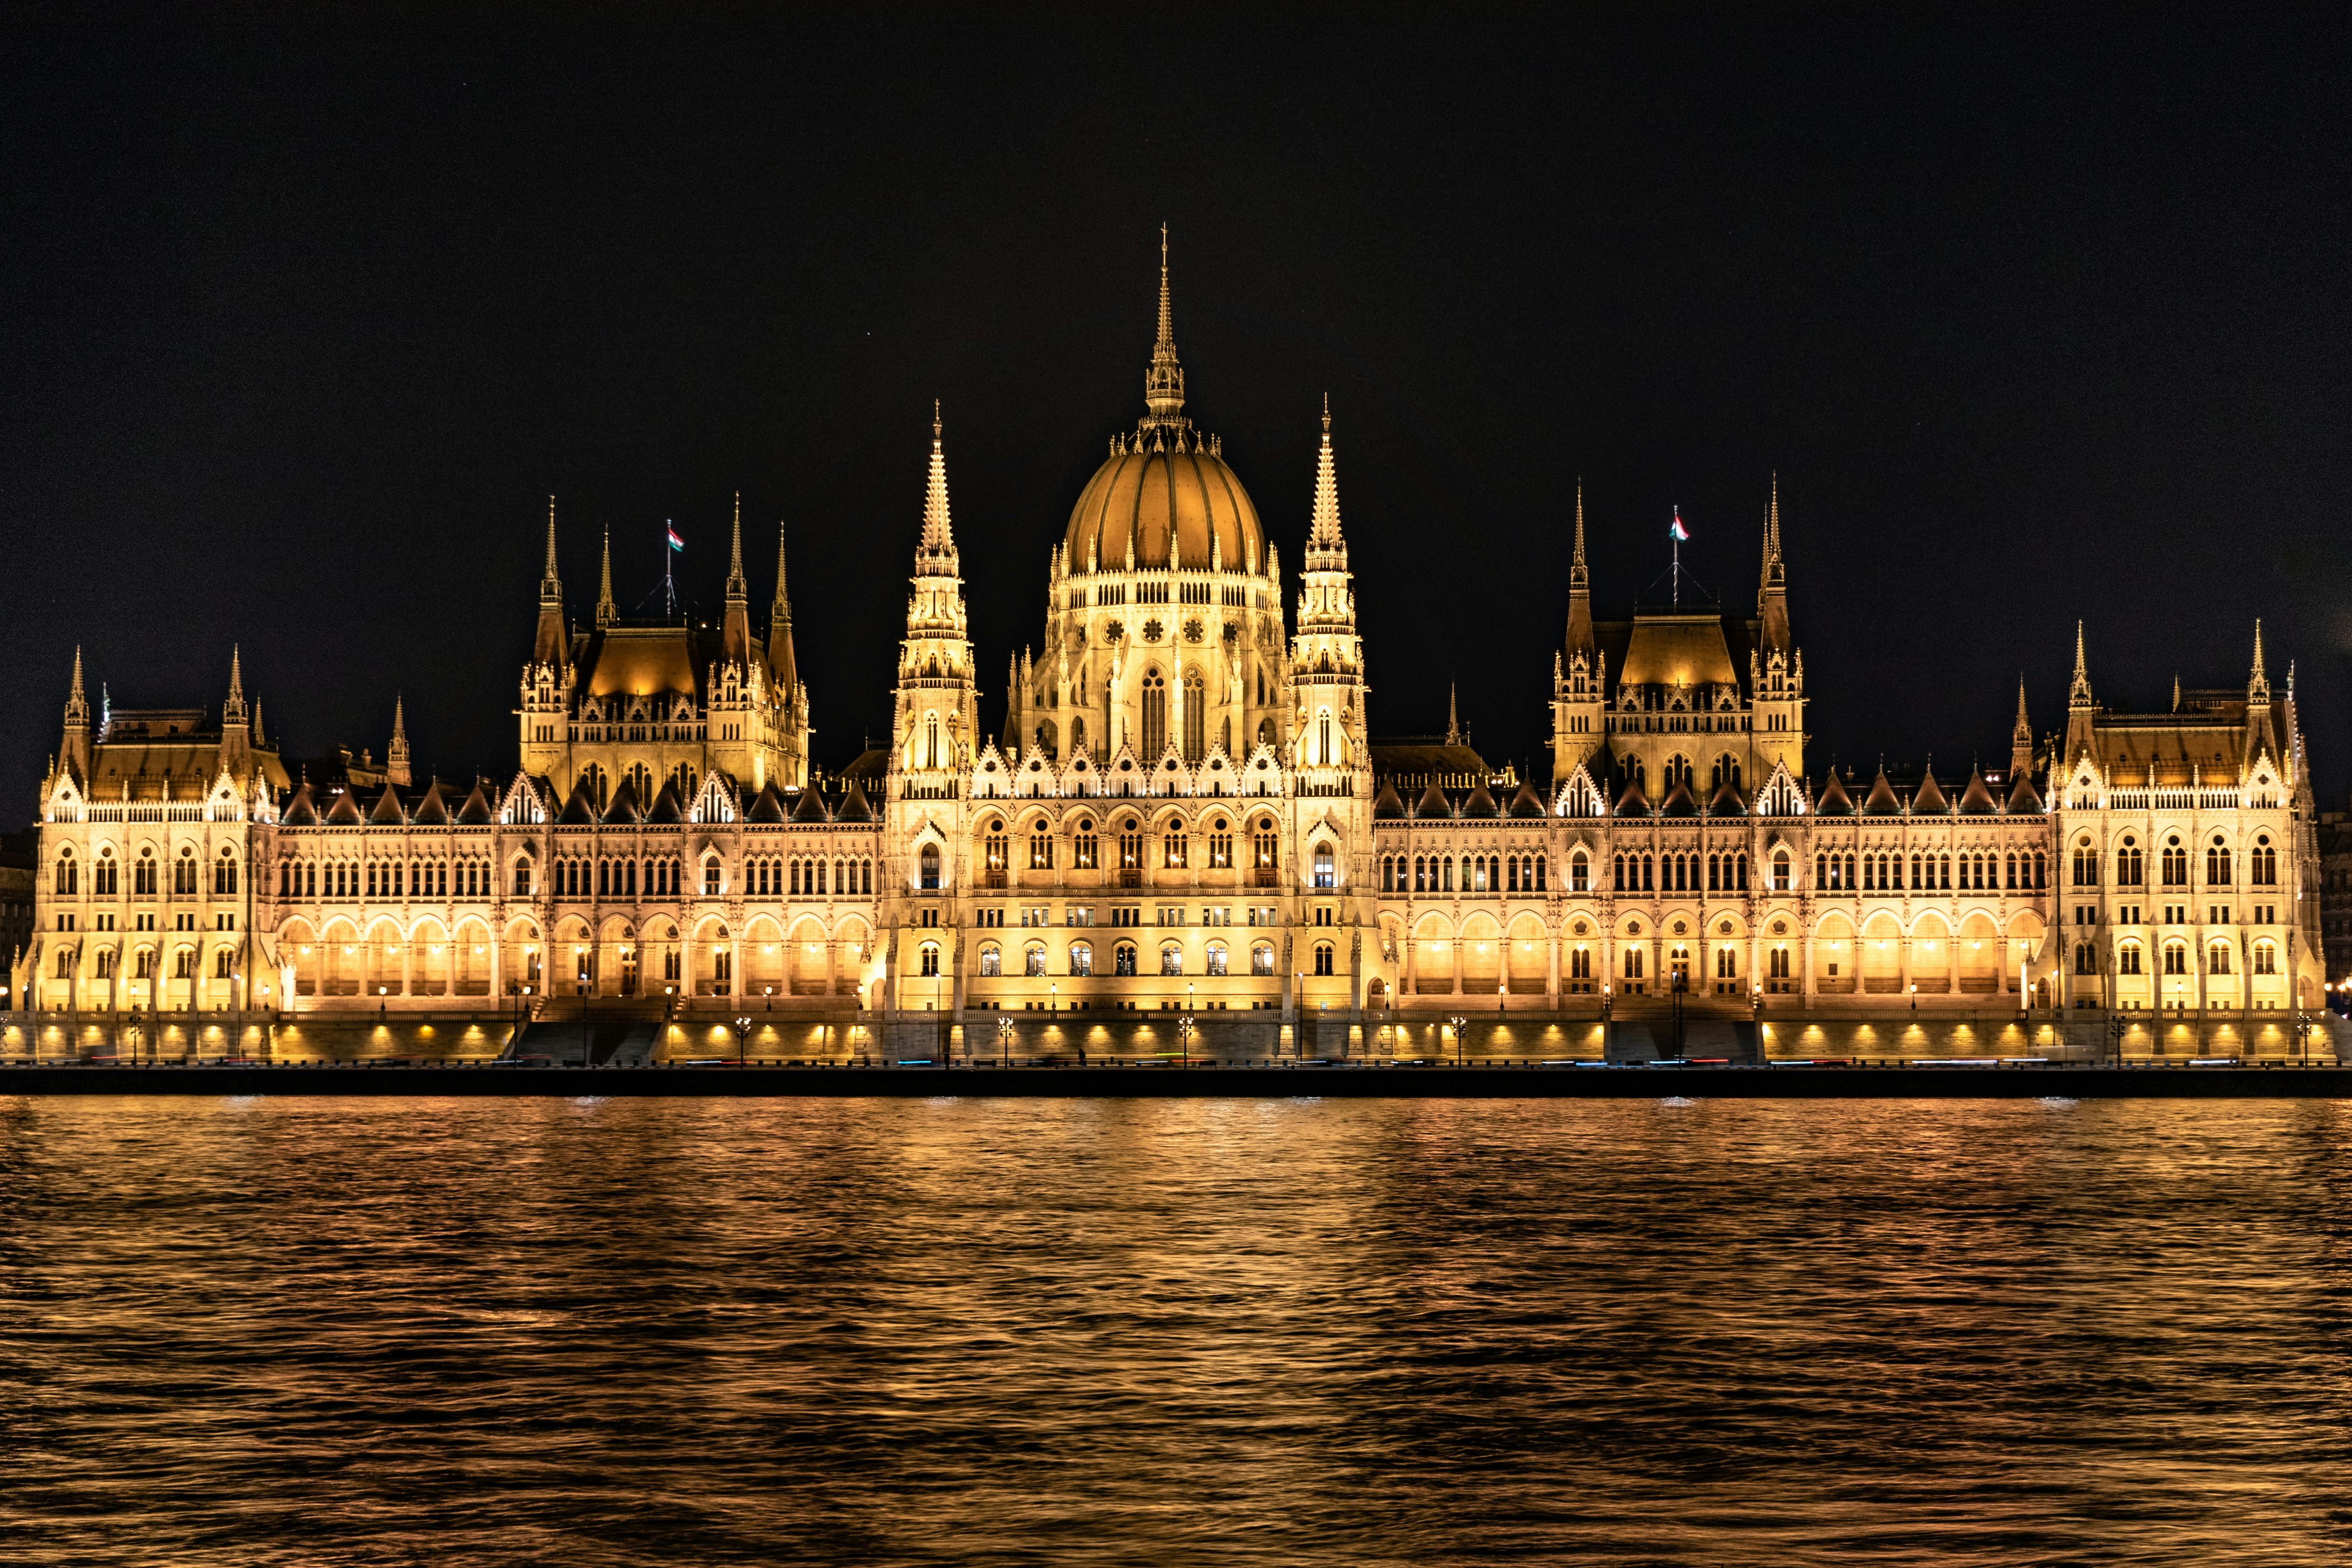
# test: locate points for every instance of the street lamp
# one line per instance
(1459, 1023)
(1004, 1039)
(1184, 1038)
(743, 1028)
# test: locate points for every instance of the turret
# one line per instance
(236, 737)
(1777, 671)
(1327, 657)
(1576, 679)
(395, 756)
(547, 645)
(2020, 739)
(2080, 710)
(2260, 736)
(76, 756)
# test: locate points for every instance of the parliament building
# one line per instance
(1188, 810)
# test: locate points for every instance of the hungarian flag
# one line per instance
(675, 542)
(1675, 529)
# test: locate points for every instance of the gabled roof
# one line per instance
(624, 809)
(1632, 802)
(854, 805)
(345, 812)
(1726, 801)
(1388, 804)
(1929, 796)
(1481, 803)
(476, 809)
(1527, 802)
(1433, 803)
(1679, 801)
(810, 807)
(1881, 801)
(1834, 801)
(2024, 797)
(666, 808)
(1977, 799)
(301, 811)
(769, 807)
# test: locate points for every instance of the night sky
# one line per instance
(2035, 319)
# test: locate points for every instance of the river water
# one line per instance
(974, 1331)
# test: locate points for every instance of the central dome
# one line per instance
(1164, 490)
(1156, 480)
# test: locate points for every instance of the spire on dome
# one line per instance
(1453, 723)
(1163, 384)
(549, 586)
(606, 611)
(1323, 533)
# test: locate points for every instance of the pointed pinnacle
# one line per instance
(236, 673)
(399, 721)
(783, 599)
(550, 539)
(2259, 674)
(1167, 317)
(1576, 569)
(76, 694)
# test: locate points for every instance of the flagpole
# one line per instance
(669, 595)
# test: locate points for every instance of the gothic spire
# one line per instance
(2078, 692)
(606, 611)
(2258, 689)
(1163, 384)
(1453, 723)
(1578, 577)
(233, 710)
(782, 667)
(938, 534)
(781, 607)
(551, 643)
(395, 756)
(737, 588)
(549, 586)
(1772, 589)
(1323, 533)
(76, 704)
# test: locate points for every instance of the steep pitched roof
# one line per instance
(1527, 802)
(1834, 801)
(1928, 796)
(1881, 801)
(854, 805)
(1388, 804)
(769, 807)
(1632, 802)
(1726, 800)
(301, 811)
(345, 812)
(1480, 804)
(625, 808)
(1433, 803)
(810, 807)
(476, 809)
(387, 811)
(431, 807)
(579, 811)
(666, 807)
(1977, 799)
(2024, 797)
(1679, 801)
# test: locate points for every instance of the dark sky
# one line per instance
(2035, 317)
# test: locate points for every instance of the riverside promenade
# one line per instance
(1274, 1078)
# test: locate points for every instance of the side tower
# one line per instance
(1577, 678)
(544, 712)
(1777, 671)
(935, 716)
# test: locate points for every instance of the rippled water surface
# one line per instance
(987, 1331)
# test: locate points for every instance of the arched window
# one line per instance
(930, 957)
(1678, 771)
(991, 961)
(2263, 870)
(1262, 854)
(1221, 845)
(2131, 868)
(2265, 957)
(184, 874)
(2176, 864)
(1084, 847)
(102, 881)
(1633, 960)
(1322, 958)
(1172, 958)
(1780, 870)
(1082, 959)
(1216, 960)
(105, 964)
(2176, 958)
(1261, 959)
(1041, 848)
(927, 863)
(142, 874)
(2216, 958)
(2041, 870)
(1196, 717)
(2086, 962)
(1327, 870)
(1033, 961)
(1577, 873)
(1326, 754)
(1155, 716)
(521, 879)
(1122, 959)
(995, 847)
(2216, 862)
(1171, 845)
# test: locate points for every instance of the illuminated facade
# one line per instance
(1186, 809)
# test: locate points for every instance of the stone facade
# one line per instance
(1187, 811)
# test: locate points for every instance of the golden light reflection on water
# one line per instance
(1085, 1330)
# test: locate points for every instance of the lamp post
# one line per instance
(1459, 1023)
(743, 1028)
(1184, 1039)
(1004, 1039)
